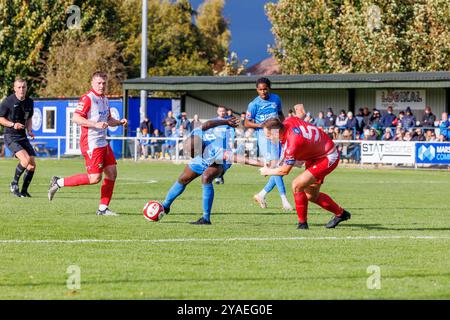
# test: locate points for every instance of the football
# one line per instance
(153, 211)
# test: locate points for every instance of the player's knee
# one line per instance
(94, 179)
(207, 178)
(297, 187)
(31, 166)
(312, 197)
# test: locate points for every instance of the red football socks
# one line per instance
(328, 204)
(76, 180)
(106, 191)
(301, 205)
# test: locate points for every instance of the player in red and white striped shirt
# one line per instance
(94, 117)
(304, 142)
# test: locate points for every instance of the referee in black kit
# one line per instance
(16, 112)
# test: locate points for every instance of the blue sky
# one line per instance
(250, 28)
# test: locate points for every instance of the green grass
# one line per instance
(392, 203)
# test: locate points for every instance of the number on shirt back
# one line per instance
(308, 133)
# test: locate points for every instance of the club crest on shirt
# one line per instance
(296, 130)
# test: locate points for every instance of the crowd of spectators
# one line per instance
(365, 125)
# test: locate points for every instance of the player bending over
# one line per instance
(207, 147)
(305, 142)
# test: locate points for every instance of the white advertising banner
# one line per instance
(387, 152)
(401, 99)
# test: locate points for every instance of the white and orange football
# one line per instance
(153, 211)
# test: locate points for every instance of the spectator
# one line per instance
(430, 136)
(144, 142)
(375, 120)
(169, 145)
(146, 124)
(399, 133)
(343, 146)
(351, 123)
(370, 134)
(408, 135)
(444, 126)
(290, 113)
(156, 144)
(195, 123)
(387, 120)
(169, 122)
(442, 138)
(229, 114)
(408, 121)
(184, 122)
(366, 117)
(330, 132)
(387, 136)
(418, 135)
(399, 119)
(330, 119)
(360, 119)
(240, 129)
(309, 118)
(428, 118)
(341, 120)
(336, 132)
(320, 120)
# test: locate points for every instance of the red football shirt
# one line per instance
(304, 142)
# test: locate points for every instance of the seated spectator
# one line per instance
(408, 121)
(309, 118)
(387, 120)
(330, 132)
(156, 144)
(336, 132)
(442, 138)
(146, 124)
(398, 120)
(399, 133)
(229, 114)
(444, 126)
(351, 123)
(373, 134)
(330, 119)
(343, 146)
(428, 118)
(144, 142)
(375, 120)
(387, 136)
(418, 135)
(430, 136)
(341, 120)
(320, 120)
(195, 123)
(408, 135)
(367, 115)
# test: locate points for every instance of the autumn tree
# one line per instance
(335, 36)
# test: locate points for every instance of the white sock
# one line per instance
(60, 182)
(262, 194)
(284, 199)
(102, 207)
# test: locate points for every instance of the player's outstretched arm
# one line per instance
(280, 171)
(232, 122)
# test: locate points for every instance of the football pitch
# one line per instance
(396, 246)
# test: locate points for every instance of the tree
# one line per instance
(71, 64)
(26, 30)
(334, 36)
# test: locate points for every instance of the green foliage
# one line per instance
(32, 31)
(26, 30)
(328, 36)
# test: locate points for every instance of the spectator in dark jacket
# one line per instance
(360, 118)
(330, 119)
(146, 124)
(408, 121)
(366, 116)
(428, 118)
(387, 120)
(418, 135)
(351, 123)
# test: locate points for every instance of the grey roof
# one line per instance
(440, 79)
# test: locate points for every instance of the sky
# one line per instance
(250, 28)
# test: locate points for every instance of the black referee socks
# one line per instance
(19, 172)
(27, 180)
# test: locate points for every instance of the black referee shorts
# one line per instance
(20, 143)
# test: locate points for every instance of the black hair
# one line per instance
(263, 80)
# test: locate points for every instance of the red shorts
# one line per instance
(99, 159)
(322, 167)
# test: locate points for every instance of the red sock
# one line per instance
(107, 191)
(301, 205)
(327, 203)
(76, 180)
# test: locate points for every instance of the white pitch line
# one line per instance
(76, 241)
